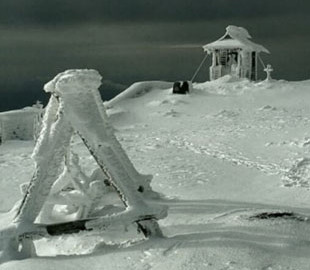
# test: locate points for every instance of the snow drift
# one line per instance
(231, 158)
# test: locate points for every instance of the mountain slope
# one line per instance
(232, 161)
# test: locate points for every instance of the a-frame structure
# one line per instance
(75, 106)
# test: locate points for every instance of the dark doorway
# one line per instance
(253, 69)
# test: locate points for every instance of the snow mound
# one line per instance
(173, 100)
(267, 108)
(227, 85)
(138, 89)
(299, 174)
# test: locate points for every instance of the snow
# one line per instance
(19, 124)
(235, 37)
(238, 32)
(221, 156)
(138, 89)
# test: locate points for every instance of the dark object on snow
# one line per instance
(180, 89)
(185, 87)
(67, 227)
(283, 215)
(176, 88)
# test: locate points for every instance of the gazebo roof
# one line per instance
(235, 38)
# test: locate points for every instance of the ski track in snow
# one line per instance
(237, 124)
(235, 158)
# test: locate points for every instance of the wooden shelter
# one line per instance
(234, 54)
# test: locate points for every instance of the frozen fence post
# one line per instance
(75, 105)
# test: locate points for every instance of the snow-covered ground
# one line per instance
(228, 158)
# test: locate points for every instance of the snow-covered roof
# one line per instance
(235, 37)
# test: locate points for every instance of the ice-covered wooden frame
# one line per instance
(75, 106)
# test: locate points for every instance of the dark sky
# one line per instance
(133, 40)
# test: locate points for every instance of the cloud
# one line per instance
(60, 12)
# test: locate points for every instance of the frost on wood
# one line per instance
(75, 105)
